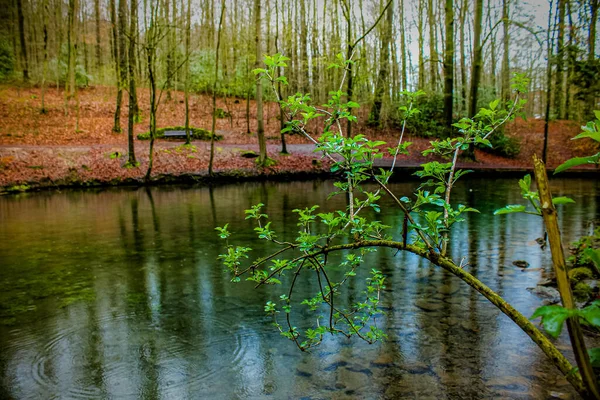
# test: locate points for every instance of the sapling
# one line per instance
(429, 216)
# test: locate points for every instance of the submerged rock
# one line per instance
(303, 374)
(429, 304)
(383, 361)
(416, 368)
(549, 294)
(520, 263)
(448, 289)
(335, 365)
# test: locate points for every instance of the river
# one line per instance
(117, 293)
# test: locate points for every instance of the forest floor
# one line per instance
(45, 150)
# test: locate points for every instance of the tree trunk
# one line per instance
(492, 39)
(98, 39)
(303, 48)
(590, 102)
(132, 93)
(476, 67)
(380, 88)
(152, 80)
(570, 65)
(188, 28)
(505, 92)
(550, 45)
(432, 48)
(122, 43)
(72, 55)
(281, 114)
(115, 34)
(449, 65)
(349, 52)
(85, 47)
(463, 55)
(169, 50)
(21, 20)
(421, 42)
(45, 66)
(477, 58)
(260, 132)
(404, 76)
(559, 84)
(214, 96)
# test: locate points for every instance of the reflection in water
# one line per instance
(118, 294)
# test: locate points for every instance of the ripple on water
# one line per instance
(122, 354)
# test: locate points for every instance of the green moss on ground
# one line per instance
(578, 274)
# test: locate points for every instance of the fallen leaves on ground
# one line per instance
(44, 148)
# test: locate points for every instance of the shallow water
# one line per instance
(117, 294)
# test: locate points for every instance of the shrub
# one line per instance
(505, 146)
(429, 121)
(7, 61)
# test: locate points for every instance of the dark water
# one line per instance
(117, 294)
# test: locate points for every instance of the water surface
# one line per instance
(117, 294)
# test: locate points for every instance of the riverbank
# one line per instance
(27, 168)
(24, 168)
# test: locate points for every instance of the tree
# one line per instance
(590, 100)
(260, 131)
(214, 94)
(374, 116)
(505, 92)
(71, 88)
(351, 45)
(477, 58)
(348, 231)
(559, 85)
(24, 60)
(188, 28)
(119, 51)
(433, 60)
(45, 66)
(449, 64)
(281, 116)
(98, 38)
(154, 34)
(133, 112)
(463, 54)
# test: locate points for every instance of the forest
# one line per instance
(66, 65)
(299, 199)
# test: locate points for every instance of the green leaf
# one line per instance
(594, 255)
(353, 104)
(512, 208)
(494, 104)
(573, 162)
(591, 135)
(553, 318)
(525, 183)
(562, 200)
(594, 356)
(591, 313)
